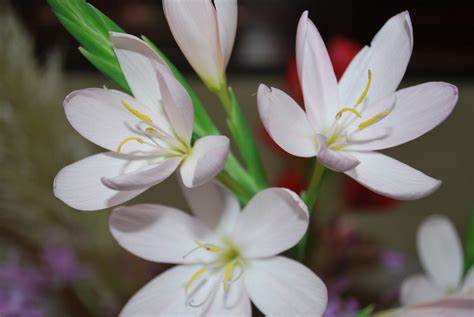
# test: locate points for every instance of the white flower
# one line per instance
(345, 122)
(225, 256)
(148, 136)
(458, 305)
(441, 256)
(205, 32)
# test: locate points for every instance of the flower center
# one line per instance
(154, 136)
(337, 135)
(228, 259)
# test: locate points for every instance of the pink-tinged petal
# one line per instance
(418, 289)
(387, 58)
(272, 222)
(286, 122)
(338, 161)
(206, 160)
(417, 110)
(452, 306)
(233, 302)
(79, 185)
(317, 77)
(159, 233)
(194, 27)
(147, 176)
(227, 23)
(177, 104)
(468, 283)
(214, 205)
(391, 178)
(139, 64)
(165, 296)
(99, 116)
(279, 286)
(440, 252)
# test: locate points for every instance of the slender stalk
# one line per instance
(224, 98)
(310, 197)
(235, 187)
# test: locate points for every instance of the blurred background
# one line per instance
(55, 261)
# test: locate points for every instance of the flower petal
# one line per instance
(194, 27)
(387, 58)
(227, 24)
(279, 286)
(147, 176)
(338, 161)
(159, 233)
(468, 284)
(164, 296)
(418, 289)
(286, 122)
(139, 64)
(233, 302)
(79, 186)
(440, 251)
(391, 178)
(417, 110)
(99, 116)
(317, 77)
(177, 104)
(452, 306)
(273, 221)
(214, 205)
(206, 160)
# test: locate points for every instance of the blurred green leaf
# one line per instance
(469, 259)
(245, 142)
(366, 312)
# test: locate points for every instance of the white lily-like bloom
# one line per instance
(205, 31)
(226, 257)
(441, 256)
(458, 305)
(148, 136)
(346, 121)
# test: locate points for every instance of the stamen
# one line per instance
(126, 140)
(228, 274)
(135, 112)
(207, 246)
(193, 278)
(376, 118)
(152, 131)
(365, 91)
(343, 110)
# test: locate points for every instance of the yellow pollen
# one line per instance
(343, 110)
(228, 274)
(126, 140)
(379, 116)
(193, 278)
(208, 247)
(151, 130)
(136, 113)
(365, 91)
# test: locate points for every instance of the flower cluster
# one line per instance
(227, 251)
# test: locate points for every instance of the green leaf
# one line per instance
(366, 312)
(245, 142)
(469, 259)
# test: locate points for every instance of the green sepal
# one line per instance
(245, 142)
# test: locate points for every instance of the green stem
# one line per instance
(235, 187)
(224, 98)
(310, 197)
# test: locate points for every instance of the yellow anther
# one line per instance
(208, 247)
(136, 113)
(365, 91)
(126, 140)
(228, 274)
(151, 130)
(193, 278)
(343, 110)
(379, 116)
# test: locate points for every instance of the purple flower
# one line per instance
(392, 259)
(62, 263)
